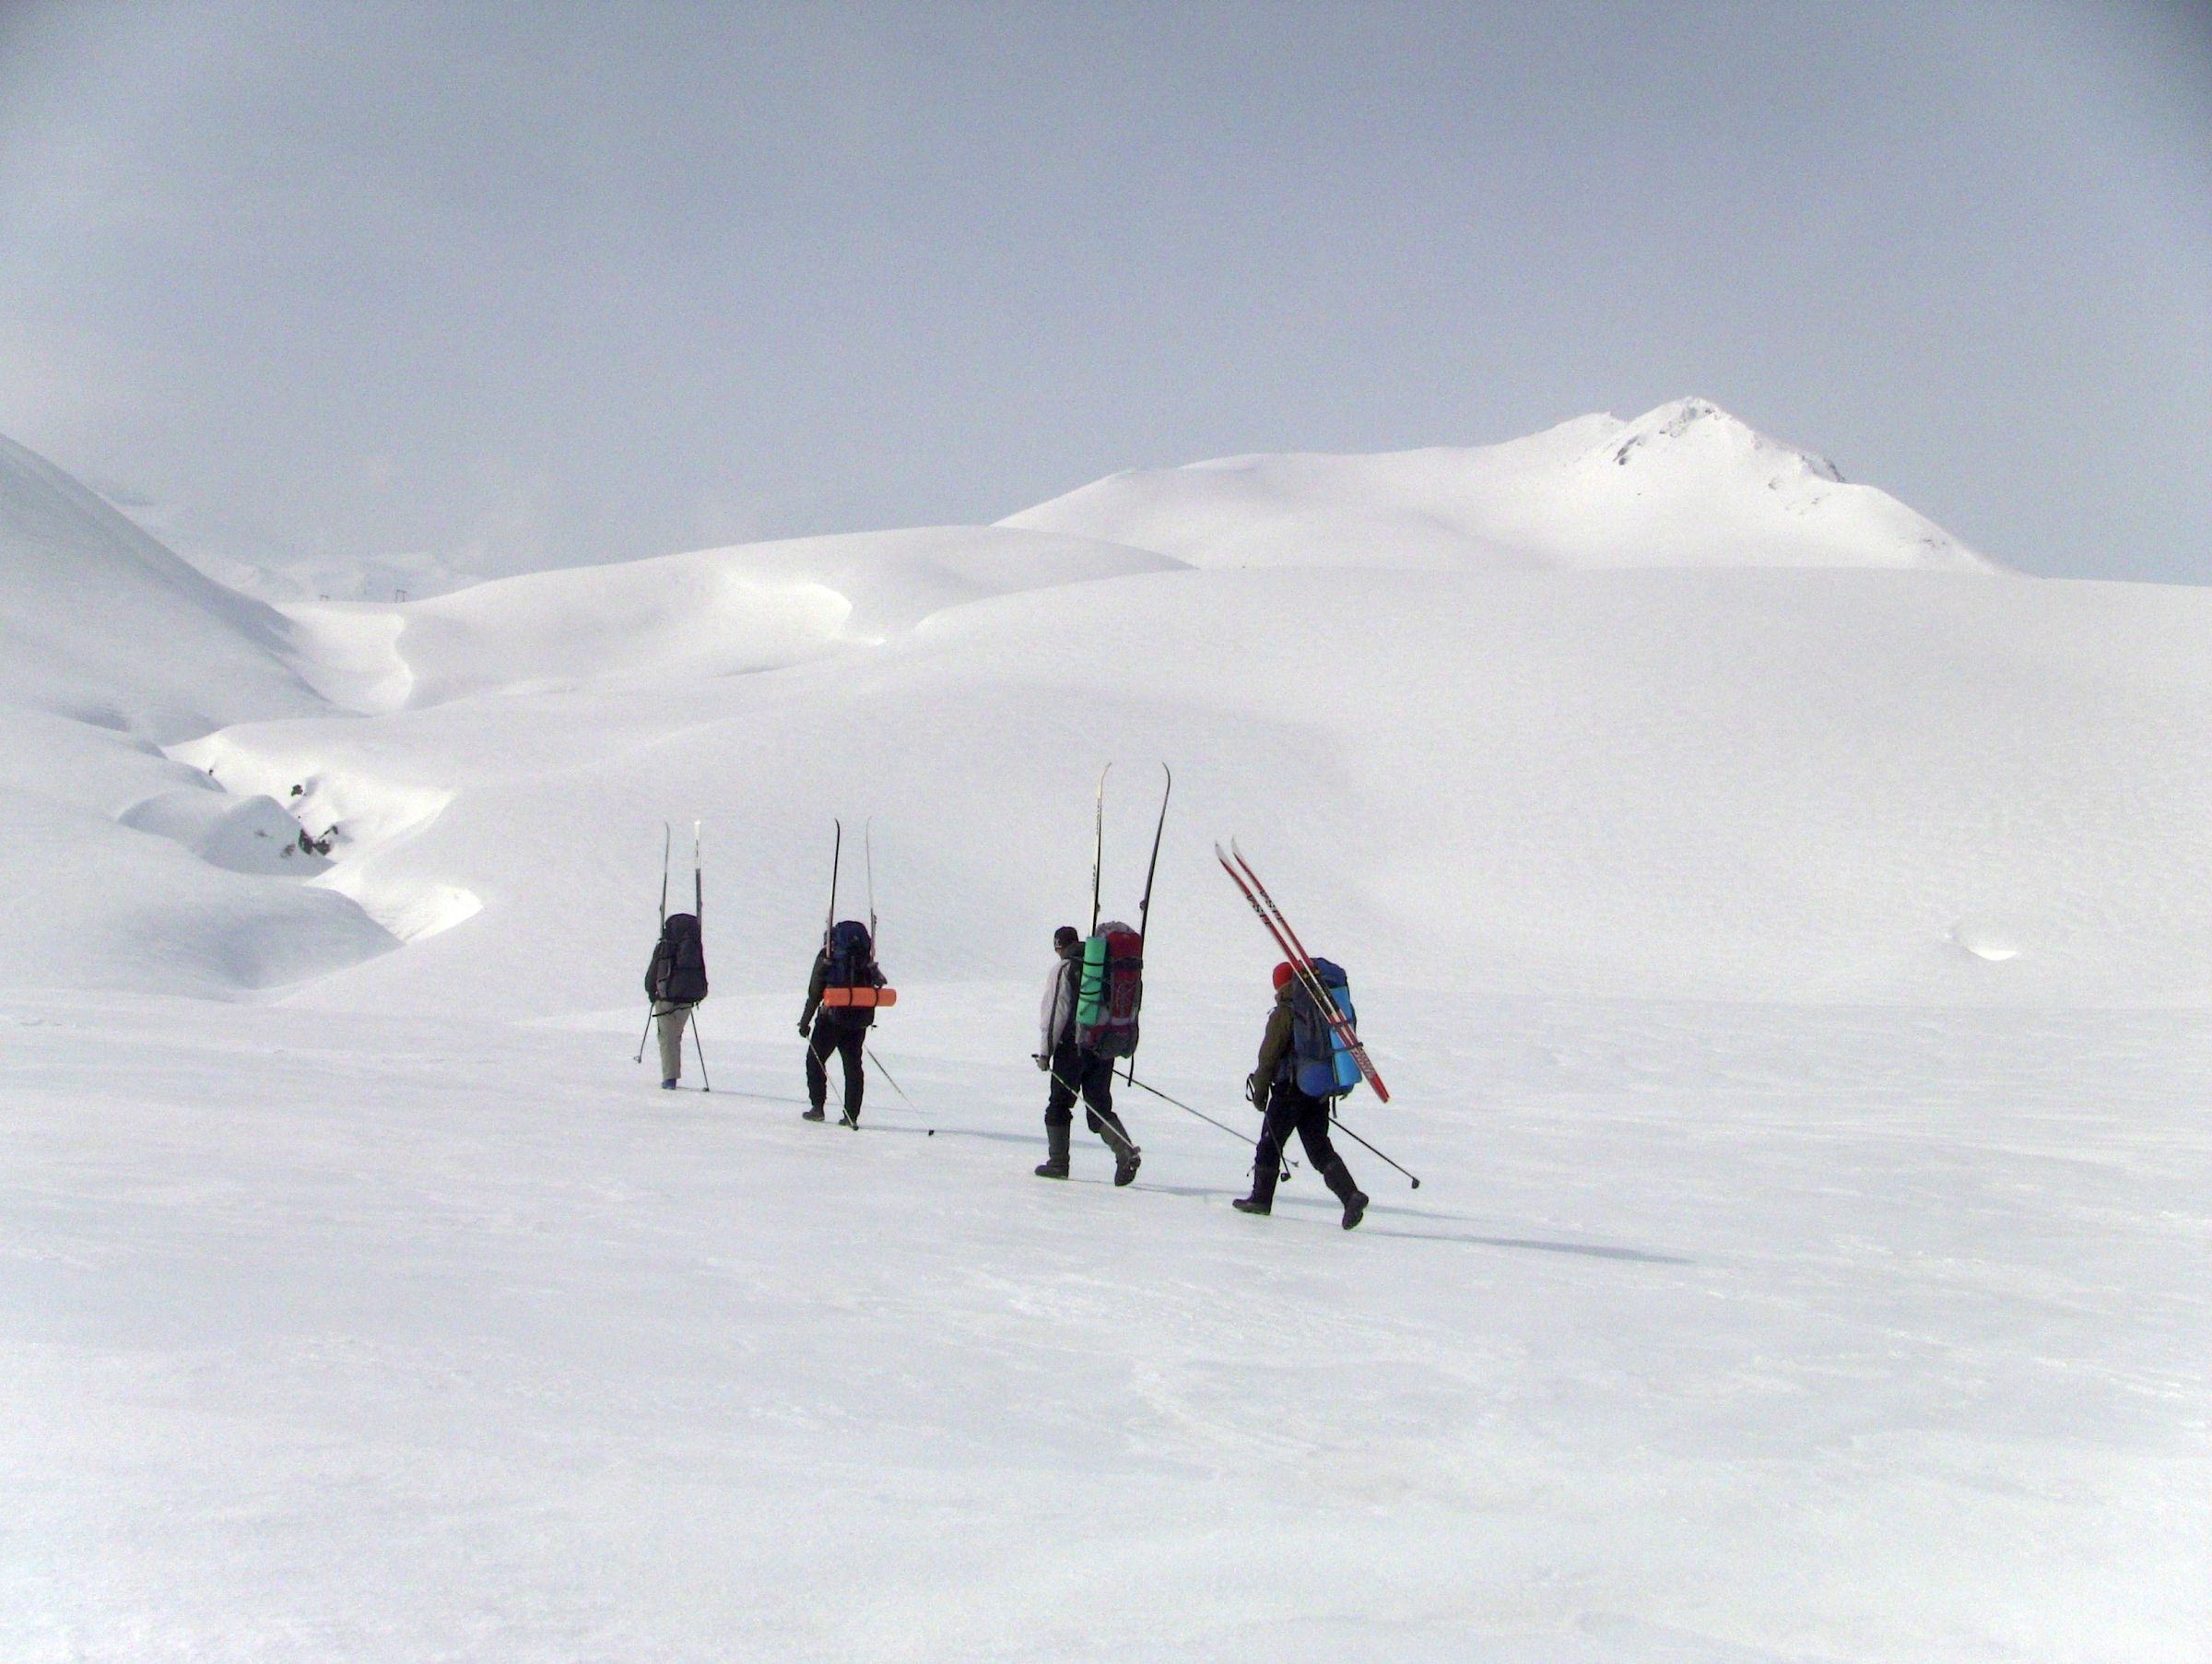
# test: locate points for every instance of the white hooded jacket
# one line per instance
(1056, 1015)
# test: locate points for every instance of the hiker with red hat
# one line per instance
(1274, 1091)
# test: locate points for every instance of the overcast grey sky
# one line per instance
(536, 283)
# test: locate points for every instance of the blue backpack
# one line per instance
(1324, 1066)
(852, 956)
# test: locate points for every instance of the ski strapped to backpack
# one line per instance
(1323, 1062)
(850, 983)
(1110, 988)
(1302, 965)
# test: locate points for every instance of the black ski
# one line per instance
(1144, 907)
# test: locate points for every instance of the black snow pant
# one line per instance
(1289, 1108)
(846, 1039)
(1078, 1071)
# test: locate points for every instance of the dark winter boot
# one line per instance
(1266, 1167)
(1055, 1165)
(813, 1115)
(1128, 1157)
(1338, 1178)
(850, 1118)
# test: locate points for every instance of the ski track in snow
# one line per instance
(1713, 1333)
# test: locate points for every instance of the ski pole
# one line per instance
(709, 1085)
(640, 1057)
(1179, 1104)
(893, 1083)
(1287, 1164)
(1370, 1147)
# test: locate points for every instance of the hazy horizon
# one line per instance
(583, 283)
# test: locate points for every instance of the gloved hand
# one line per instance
(1043, 1060)
(1256, 1090)
(806, 1027)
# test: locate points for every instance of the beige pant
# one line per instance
(671, 1019)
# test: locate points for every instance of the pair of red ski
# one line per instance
(1302, 963)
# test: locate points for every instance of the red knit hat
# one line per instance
(1282, 974)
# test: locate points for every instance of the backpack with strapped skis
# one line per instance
(1109, 990)
(852, 980)
(678, 968)
(1323, 1064)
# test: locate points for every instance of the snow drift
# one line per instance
(1802, 746)
(127, 867)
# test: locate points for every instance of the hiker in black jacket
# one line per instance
(675, 980)
(1274, 1090)
(847, 961)
(1074, 1070)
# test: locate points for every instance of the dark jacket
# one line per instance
(1277, 1057)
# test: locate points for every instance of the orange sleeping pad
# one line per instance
(876, 997)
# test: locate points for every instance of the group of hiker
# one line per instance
(1308, 1056)
(1087, 1024)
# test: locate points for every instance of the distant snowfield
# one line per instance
(1789, 937)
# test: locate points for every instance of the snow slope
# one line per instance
(1809, 785)
(126, 868)
(254, 564)
(89, 597)
(1685, 485)
(1789, 952)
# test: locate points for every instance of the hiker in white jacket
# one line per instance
(1075, 1070)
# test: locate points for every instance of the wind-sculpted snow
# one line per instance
(1685, 484)
(125, 866)
(1822, 785)
(678, 618)
(1809, 1258)
(1828, 786)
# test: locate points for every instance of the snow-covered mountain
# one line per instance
(1685, 485)
(1790, 951)
(1801, 746)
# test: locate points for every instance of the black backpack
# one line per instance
(678, 971)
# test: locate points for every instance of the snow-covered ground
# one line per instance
(1788, 937)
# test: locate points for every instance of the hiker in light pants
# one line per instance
(675, 980)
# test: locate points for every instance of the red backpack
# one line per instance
(1109, 990)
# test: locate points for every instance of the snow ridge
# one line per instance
(1684, 485)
